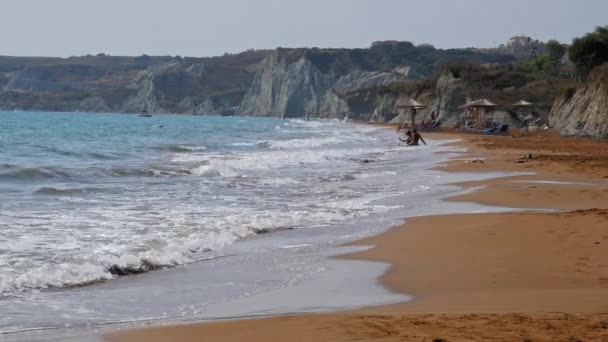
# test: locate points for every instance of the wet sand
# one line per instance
(533, 276)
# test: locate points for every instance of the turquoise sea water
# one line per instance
(91, 197)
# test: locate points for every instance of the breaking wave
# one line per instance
(53, 191)
(12, 172)
(183, 148)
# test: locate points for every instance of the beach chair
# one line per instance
(503, 129)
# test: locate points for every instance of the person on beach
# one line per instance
(415, 138)
(408, 138)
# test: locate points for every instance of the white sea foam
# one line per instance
(305, 143)
(193, 148)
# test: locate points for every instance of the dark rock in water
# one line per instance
(262, 231)
(366, 161)
(270, 230)
(146, 266)
(337, 179)
(348, 177)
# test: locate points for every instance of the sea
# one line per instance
(116, 219)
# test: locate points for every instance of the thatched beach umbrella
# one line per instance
(477, 109)
(524, 106)
(522, 103)
(413, 106)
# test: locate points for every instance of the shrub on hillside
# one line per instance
(590, 51)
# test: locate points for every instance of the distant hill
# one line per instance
(222, 85)
(125, 84)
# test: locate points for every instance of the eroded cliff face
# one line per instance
(281, 82)
(584, 112)
(285, 87)
(179, 89)
(210, 86)
(445, 96)
(501, 84)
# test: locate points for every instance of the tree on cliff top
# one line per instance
(590, 51)
(555, 50)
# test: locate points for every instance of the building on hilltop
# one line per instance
(522, 47)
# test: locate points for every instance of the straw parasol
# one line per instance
(522, 103)
(481, 103)
(413, 106)
(477, 109)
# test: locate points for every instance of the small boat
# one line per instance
(145, 114)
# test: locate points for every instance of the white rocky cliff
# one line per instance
(292, 86)
(584, 111)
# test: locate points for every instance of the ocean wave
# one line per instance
(182, 148)
(79, 270)
(248, 144)
(143, 267)
(244, 163)
(122, 256)
(338, 178)
(79, 154)
(102, 156)
(70, 275)
(147, 172)
(52, 191)
(11, 172)
(15, 173)
(305, 143)
(77, 273)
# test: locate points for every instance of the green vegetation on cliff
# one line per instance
(424, 59)
(590, 51)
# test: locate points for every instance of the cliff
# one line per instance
(281, 82)
(584, 111)
(331, 82)
(128, 84)
(458, 83)
(288, 88)
(500, 83)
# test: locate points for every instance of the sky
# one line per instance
(212, 27)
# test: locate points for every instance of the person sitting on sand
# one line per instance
(408, 138)
(415, 138)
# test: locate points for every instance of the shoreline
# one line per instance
(512, 298)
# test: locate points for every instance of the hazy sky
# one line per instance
(212, 27)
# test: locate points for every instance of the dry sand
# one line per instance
(476, 277)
